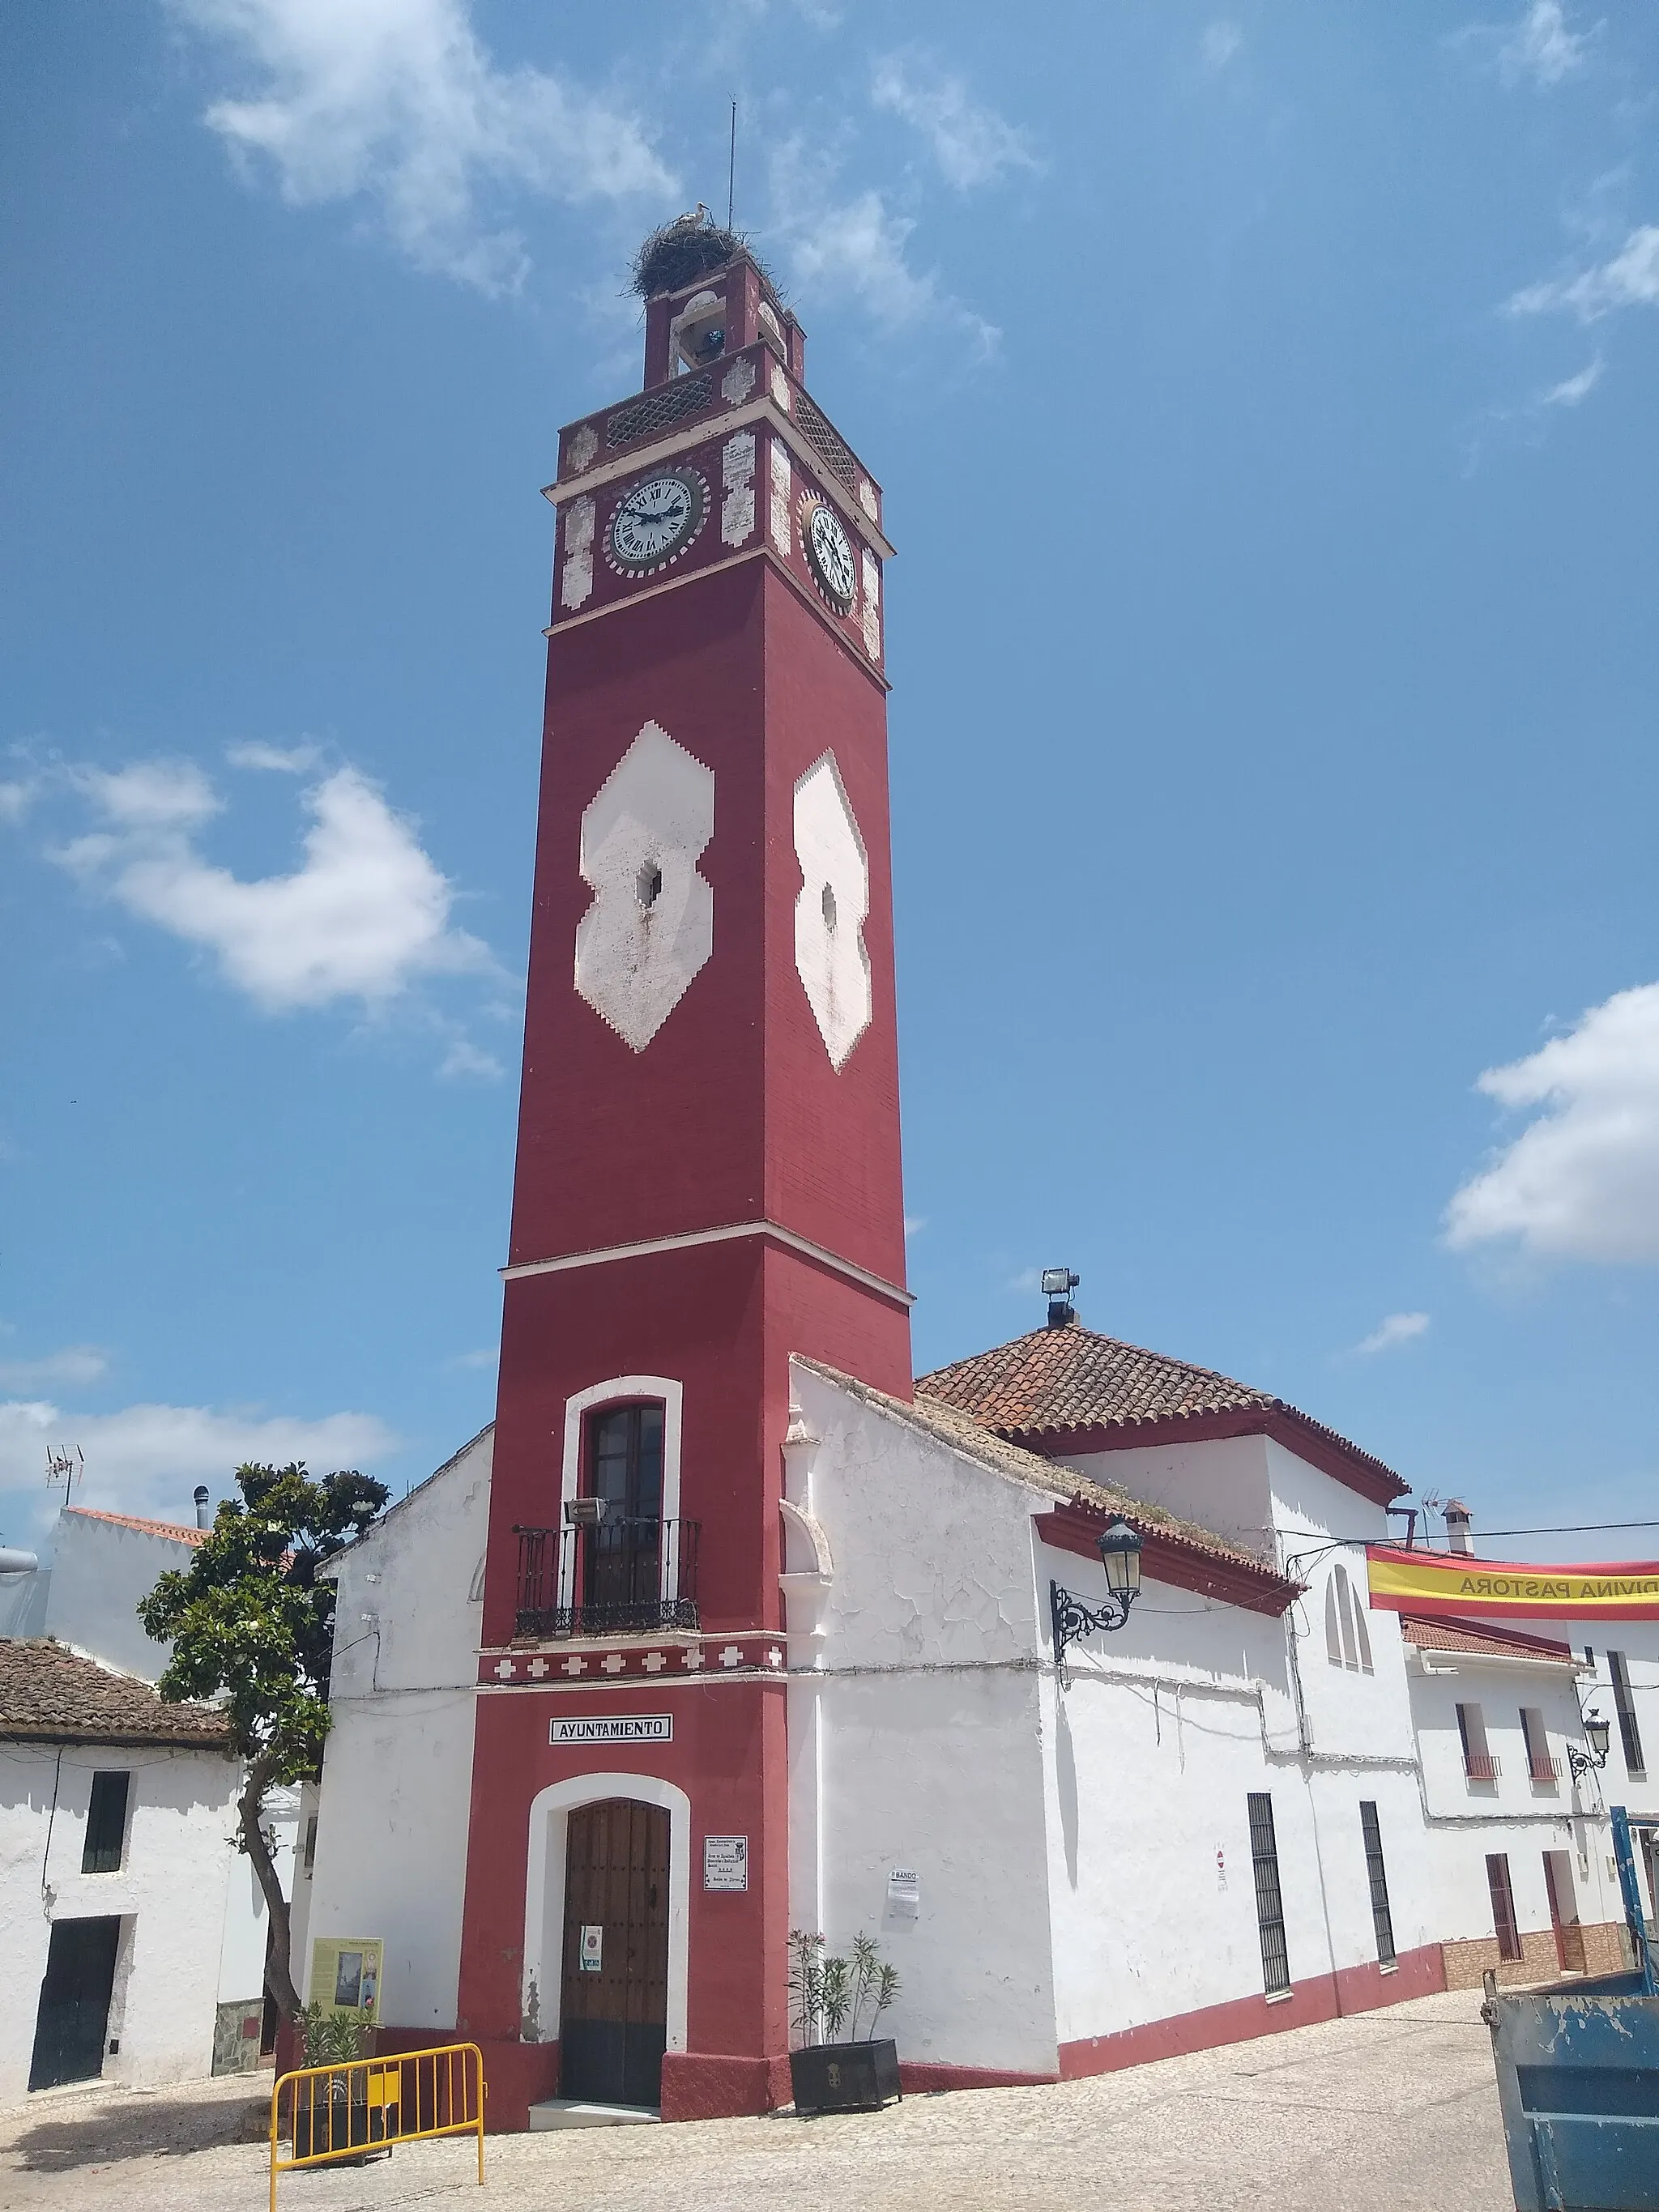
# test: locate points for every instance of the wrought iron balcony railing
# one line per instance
(620, 1577)
(1481, 1765)
(1544, 1769)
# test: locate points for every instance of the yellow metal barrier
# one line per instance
(362, 2105)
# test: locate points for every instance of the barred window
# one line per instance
(1269, 1898)
(1376, 1874)
(1625, 1706)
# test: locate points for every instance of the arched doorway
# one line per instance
(613, 2007)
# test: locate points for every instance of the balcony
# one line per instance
(618, 1577)
(1544, 1771)
(1481, 1765)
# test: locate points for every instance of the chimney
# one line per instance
(1457, 1526)
(202, 1519)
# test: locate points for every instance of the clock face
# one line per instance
(829, 555)
(654, 522)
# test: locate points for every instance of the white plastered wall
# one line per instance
(917, 1744)
(393, 1802)
(171, 1883)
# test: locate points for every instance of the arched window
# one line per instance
(1347, 1640)
(622, 1554)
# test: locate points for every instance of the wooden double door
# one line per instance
(613, 2010)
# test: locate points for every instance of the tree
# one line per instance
(252, 1627)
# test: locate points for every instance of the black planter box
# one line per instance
(333, 2128)
(845, 2077)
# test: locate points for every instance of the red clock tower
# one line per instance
(707, 1180)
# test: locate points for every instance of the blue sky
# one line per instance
(1264, 400)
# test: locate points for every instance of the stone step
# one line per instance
(578, 2112)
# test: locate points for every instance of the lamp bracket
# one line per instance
(1073, 1621)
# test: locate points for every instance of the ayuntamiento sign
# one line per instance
(1453, 1583)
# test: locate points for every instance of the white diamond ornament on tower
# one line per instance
(830, 957)
(651, 926)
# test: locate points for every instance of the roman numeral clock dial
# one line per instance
(654, 523)
(829, 553)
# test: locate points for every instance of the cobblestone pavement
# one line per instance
(1396, 2108)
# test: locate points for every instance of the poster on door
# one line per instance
(345, 1976)
(591, 1951)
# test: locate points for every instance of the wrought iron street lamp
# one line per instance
(1598, 1733)
(1120, 1553)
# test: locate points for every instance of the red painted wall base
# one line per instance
(703, 2085)
(1323, 1996)
(516, 2075)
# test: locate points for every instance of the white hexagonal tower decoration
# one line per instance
(830, 957)
(651, 927)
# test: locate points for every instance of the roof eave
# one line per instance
(1308, 1439)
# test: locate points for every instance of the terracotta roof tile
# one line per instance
(947, 1425)
(49, 1693)
(181, 1532)
(1054, 1382)
(1481, 1636)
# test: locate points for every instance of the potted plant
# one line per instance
(860, 2075)
(333, 2115)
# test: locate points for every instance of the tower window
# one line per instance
(622, 1554)
(650, 885)
(1347, 1639)
(106, 1824)
(829, 906)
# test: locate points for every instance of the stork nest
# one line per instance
(691, 246)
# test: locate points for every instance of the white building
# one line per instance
(1247, 1807)
(87, 1601)
(114, 1814)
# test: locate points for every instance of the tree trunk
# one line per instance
(279, 1977)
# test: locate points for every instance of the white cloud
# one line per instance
(856, 249)
(397, 104)
(489, 1356)
(363, 917)
(1541, 47)
(75, 1363)
(1582, 1181)
(14, 800)
(1573, 389)
(151, 794)
(914, 1225)
(276, 760)
(1221, 42)
(971, 143)
(147, 1459)
(465, 1059)
(1393, 1329)
(1630, 279)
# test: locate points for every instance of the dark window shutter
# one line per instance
(106, 1824)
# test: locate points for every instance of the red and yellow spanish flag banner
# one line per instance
(1457, 1582)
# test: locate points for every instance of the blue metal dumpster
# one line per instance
(1578, 2078)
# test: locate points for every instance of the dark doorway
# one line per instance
(613, 2012)
(74, 2017)
(622, 1563)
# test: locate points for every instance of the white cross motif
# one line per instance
(575, 1666)
(653, 1663)
(774, 1657)
(613, 1662)
(731, 1656)
(692, 1656)
(536, 1669)
(505, 1670)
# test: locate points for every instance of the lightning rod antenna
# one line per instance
(731, 170)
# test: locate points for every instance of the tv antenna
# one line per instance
(731, 170)
(67, 1467)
